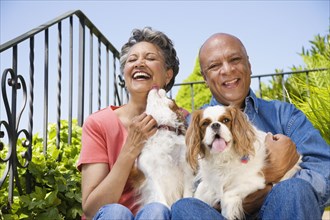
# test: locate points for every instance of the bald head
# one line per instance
(221, 38)
(226, 68)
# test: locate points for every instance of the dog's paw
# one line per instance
(232, 208)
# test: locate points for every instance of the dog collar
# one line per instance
(177, 130)
(245, 159)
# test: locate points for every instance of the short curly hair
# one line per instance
(159, 39)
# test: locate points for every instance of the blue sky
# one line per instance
(273, 32)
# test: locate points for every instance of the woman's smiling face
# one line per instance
(145, 68)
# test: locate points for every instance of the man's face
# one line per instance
(226, 69)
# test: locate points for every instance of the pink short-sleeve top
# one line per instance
(103, 136)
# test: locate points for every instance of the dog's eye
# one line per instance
(225, 120)
(205, 123)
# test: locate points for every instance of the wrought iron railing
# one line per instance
(255, 80)
(57, 85)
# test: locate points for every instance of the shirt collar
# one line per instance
(251, 101)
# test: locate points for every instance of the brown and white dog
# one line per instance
(228, 153)
(162, 160)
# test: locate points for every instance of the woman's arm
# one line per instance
(101, 186)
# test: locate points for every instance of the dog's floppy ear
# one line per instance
(243, 133)
(194, 140)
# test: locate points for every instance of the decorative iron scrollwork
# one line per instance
(13, 158)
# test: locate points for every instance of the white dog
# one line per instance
(229, 154)
(162, 160)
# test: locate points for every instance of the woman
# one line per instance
(113, 137)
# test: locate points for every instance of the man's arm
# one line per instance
(282, 156)
(316, 155)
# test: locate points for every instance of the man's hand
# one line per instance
(253, 202)
(282, 157)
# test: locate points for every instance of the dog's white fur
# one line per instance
(219, 140)
(162, 159)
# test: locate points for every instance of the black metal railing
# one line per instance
(256, 80)
(56, 88)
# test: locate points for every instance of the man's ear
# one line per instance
(203, 76)
(205, 79)
(249, 64)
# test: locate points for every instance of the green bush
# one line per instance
(56, 182)
(310, 94)
(201, 94)
(315, 104)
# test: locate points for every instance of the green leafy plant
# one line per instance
(308, 92)
(201, 94)
(56, 182)
(316, 105)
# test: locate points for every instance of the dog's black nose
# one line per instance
(215, 126)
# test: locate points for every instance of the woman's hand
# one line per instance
(282, 157)
(141, 128)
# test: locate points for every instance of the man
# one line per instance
(226, 69)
